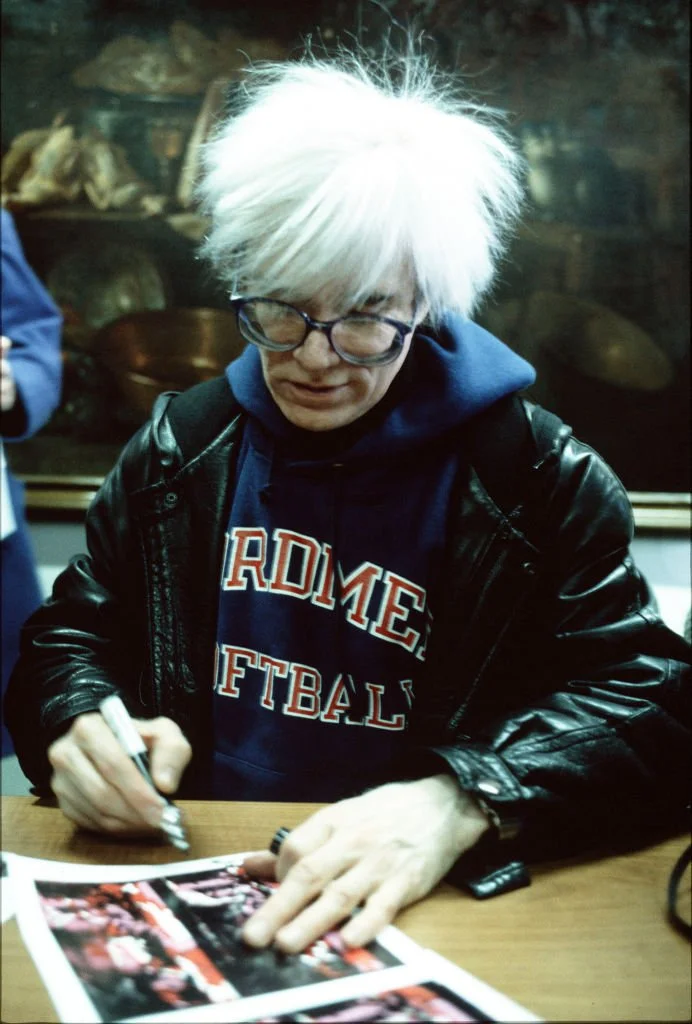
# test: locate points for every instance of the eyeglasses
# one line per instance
(360, 338)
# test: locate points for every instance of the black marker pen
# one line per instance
(123, 728)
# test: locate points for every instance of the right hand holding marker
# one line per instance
(99, 787)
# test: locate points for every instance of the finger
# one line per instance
(380, 909)
(92, 737)
(77, 809)
(78, 779)
(337, 901)
(305, 880)
(89, 805)
(5, 343)
(301, 841)
(78, 815)
(8, 389)
(343, 894)
(72, 803)
(307, 838)
(99, 744)
(261, 865)
(169, 751)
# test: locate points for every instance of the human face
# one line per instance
(317, 390)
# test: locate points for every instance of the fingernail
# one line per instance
(256, 933)
(351, 939)
(155, 815)
(289, 941)
(165, 778)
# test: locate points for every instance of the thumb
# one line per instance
(169, 752)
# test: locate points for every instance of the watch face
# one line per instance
(506, 827)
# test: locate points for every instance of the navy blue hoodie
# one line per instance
(332, 553)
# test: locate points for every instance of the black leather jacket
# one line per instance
(552, 689)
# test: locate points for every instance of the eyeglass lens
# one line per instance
(359, 336)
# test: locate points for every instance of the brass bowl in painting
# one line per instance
(166, 350)
(587, 338)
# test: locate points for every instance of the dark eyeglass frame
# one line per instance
(326, 326)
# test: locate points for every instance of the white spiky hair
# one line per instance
(332, 173)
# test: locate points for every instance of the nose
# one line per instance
(316, 354)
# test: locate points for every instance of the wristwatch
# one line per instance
(506, 825)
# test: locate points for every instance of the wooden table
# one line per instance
(586, 941)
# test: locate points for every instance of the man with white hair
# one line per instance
(358, 569)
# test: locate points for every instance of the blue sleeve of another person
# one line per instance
(31, 319)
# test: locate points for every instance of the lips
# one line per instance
(313, 392)
(314, 387)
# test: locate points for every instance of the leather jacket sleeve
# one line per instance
(578, 736)
(80, 646)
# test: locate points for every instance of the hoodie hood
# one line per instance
(448, 377)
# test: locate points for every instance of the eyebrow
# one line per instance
(376, 298)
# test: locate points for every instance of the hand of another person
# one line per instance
(8, 388)
(385, 849)
(99, 787)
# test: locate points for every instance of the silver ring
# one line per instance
(279, 836)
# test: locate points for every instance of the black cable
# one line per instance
(673, 887)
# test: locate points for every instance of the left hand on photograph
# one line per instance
(380, 851)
